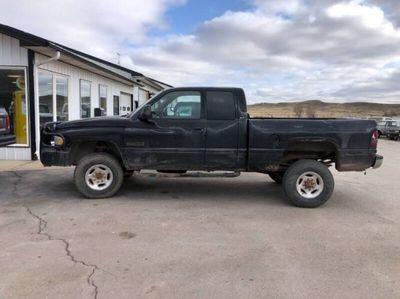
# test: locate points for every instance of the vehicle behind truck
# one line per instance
(6, 138)
(393, 129)
(209, 129)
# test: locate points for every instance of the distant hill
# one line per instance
(323, 109)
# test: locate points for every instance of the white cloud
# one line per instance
(370, 16)
(100, 27)
(278, 57)
(278, 50)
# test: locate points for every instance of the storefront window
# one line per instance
(12, 98)
(62, 98)
(85, 95)
(45, 97)
(53, 97)
(103, 97)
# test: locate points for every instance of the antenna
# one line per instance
(119, 58)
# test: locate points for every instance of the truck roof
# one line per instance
(206, 88)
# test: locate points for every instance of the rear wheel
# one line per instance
(308, 184)
(98, 175)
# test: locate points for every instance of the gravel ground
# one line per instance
(174, 237)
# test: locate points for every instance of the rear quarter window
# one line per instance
(220, 105)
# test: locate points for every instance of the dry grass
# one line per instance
(323, 109)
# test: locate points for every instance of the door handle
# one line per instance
(199, 130)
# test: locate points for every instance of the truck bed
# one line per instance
(271, 139)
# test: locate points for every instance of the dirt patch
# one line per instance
(127, 235)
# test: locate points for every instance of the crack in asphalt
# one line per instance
(16, 183)
(42, 225)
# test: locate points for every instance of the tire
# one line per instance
(109, 169)
(277, 176)
(319, 179)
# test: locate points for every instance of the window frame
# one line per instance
(27, 98)
(55, 76)
(106, 87)
(80, 98)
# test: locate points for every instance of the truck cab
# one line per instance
(190, 129)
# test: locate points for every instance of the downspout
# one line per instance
(36, 80)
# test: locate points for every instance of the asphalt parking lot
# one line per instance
(174, 237)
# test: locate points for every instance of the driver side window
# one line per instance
(178, 105)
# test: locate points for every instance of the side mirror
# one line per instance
(146, 114)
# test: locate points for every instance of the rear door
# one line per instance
(222, 130)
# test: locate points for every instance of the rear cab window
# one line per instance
(221, 105)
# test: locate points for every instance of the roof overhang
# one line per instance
(76, 61)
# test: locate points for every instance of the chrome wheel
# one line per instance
(310, 185)
(99, 177)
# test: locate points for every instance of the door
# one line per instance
(125, 103)
(175, 137)
(222, 130)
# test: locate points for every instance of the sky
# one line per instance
(290, 50)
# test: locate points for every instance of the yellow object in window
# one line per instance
(20, 129)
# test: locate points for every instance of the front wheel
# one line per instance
(98, 175)
(308, 184)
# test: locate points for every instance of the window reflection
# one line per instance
(103, 97)
(62, 98)
(85, 94)
(45, 97)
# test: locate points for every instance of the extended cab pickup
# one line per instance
(6, 138)
(208, 129)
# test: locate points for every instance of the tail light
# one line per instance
(7, 124)
(374, 139)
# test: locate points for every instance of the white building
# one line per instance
(42, 81)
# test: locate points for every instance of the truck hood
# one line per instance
(107, 121)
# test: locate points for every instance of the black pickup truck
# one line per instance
(6, 138)
(209, 129)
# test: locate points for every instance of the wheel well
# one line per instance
(325, 152)
(84, 148)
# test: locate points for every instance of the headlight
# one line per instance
(58, 140)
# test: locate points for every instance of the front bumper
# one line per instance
(52, 156)
(378, 162)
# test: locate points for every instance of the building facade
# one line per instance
(42, 81)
